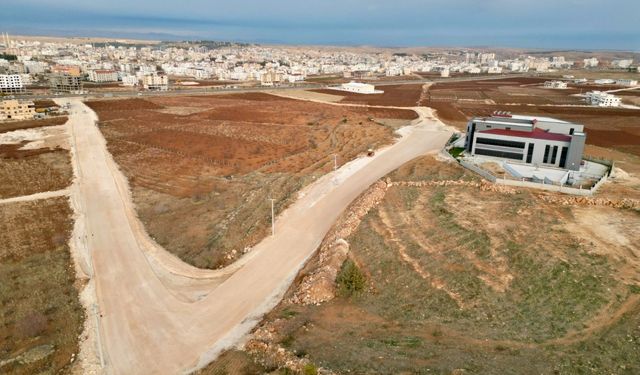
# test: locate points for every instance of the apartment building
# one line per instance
(555, 85)
(602, 99)
(103, 75)
(11, 83)
(61, 83)
(155, 82)
(539, 141)
(17, 110)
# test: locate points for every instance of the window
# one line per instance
(571, 131)
(563, 157)
(500, 154)
(499, 142)
(545, 159)
(530, 152)
(554, 154)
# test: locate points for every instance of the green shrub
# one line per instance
(309, 369)
(350, 280)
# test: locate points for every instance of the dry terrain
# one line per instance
(202, 168)
(27, 124)
(41, 317)
(456, 102)
(394, 95)
(469, 278)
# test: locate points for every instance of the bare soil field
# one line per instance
(41, 317)
(456, 102)
(28, 124)
(24, 172)
(445, 290)
(202, 179)
(394, 95)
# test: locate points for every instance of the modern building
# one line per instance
(129, 80)
(103, 75)
(602, 99)
(17, 110)
(555, 85)
(538, 141)
(156, 82)
(590, 63)
(11, 83)
(62, 83)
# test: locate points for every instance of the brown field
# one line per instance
(394, 95)
(456, 102)
(41, 317)
(24, 172)
(448, 291)
(202, 168)
(28, 124)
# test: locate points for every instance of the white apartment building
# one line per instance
(622, 63)
(555, 85)
(129, 80)
(540, 141)
(103, 75)
(591, 63)
(627, 82)
(602, 99)
(156, 82)
(11, 83)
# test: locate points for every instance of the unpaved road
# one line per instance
(158, 315)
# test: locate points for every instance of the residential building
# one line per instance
(61, 83)
(72, 70)
(539, 141)
(103, 75)
(11, 83)
(627, 82)
(602, 99)
(17, 110)
(555, 85)
(622, 63)
(156, 82)
(590, 63)
(130, 80)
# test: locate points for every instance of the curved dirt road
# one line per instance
(158, 315)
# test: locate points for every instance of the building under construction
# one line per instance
(61, 83)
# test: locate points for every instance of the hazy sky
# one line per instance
(610, 24)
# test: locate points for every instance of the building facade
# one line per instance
(156, 82)
(539, 141)
(61, 83)
(602, 99)
(103, 75)
(17, 110)
(11, 83)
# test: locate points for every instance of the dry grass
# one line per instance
(459, 278)
(28, 124)
(24, 172)
(201, 179)
(41, 316)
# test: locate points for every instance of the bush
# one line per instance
(350, 280)
(309, 369)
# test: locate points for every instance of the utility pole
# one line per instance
(273, 218)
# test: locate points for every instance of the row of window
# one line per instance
(500, 142)
(500, 154)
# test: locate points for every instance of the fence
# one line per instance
(535, 185)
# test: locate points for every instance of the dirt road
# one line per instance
(158, 315)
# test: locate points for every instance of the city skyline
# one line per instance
(495, 23)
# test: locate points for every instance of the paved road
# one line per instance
(149, 323)
(241, 89)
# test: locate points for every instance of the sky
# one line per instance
(546, 24)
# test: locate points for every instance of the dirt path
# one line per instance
(157, 314)
(36, 196)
